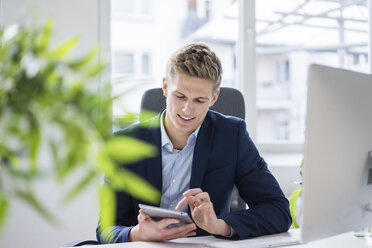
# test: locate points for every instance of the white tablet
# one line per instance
(160, 213)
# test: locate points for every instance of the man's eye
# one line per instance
(180, 96)
(200, 101)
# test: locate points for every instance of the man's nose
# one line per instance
(187, 107)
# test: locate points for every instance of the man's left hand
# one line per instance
(202, 212)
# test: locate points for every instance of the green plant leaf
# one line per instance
(14, 160)
(146, 115)
(293, 205)
(30, 199)
(62, 50)
(81, 185)
(6, 153)
(105, 164)
(4, 208)
(74, 134)
(301, 166)
(44, 38)
(133, 184)
(126, 119)
(35, 140)
(79, 63)
(126, 149)
(23, 174)
(95, 70)
(54, 151)
(107, 213)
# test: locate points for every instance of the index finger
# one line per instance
(187, 194)
(192, 192)
(181, 203)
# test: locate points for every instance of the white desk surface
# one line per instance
(347, 240)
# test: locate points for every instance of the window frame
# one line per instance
(247, 73)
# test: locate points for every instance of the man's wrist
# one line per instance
(222, 228)
(133, 234)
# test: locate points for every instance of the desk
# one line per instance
(347, 240)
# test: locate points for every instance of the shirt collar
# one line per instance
(166, 142)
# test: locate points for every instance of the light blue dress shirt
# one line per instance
(176, 168)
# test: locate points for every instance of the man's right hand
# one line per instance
(149, 230)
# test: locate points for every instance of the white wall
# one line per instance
(24, 227)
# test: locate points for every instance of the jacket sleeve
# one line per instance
(125, 220)
(114, 234)
(268, 211)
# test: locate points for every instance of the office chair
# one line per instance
(80, 243)
(230, 102)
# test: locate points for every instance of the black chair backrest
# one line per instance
(229, 102)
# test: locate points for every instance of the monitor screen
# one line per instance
(337, 194)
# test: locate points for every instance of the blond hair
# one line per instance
(196, 60)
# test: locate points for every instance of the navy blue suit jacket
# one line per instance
(224, 155)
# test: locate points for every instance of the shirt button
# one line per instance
(171, 205)
(174, 180)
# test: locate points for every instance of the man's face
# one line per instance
(188, 101)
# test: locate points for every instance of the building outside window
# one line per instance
(289, 36)
(123, 7)
(131, 8)
(282, 71)
(123, 63)
(145, 64)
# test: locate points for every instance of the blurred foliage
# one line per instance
(294, 198)
(49, 100)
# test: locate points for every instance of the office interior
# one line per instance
(265, 47)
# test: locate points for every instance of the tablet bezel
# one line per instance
(160, 213)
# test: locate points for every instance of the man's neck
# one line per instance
(178, 139)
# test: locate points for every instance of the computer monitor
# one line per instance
(337, 194)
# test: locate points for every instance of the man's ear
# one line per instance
(165, 87)
(215, 97)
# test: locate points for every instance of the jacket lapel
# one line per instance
(201, 152)
(153, 165)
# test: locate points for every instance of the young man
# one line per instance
(202, 154)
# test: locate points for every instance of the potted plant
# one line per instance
(47, 104)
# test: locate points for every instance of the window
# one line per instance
(192, 7)
(291, 36)
(146, 7)
(207, 10)
(282, 71)
(145, 64)
(131, 8)
(151, 42)
(123, 63)
(282, 130)
(287, 38)
(123, 7)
